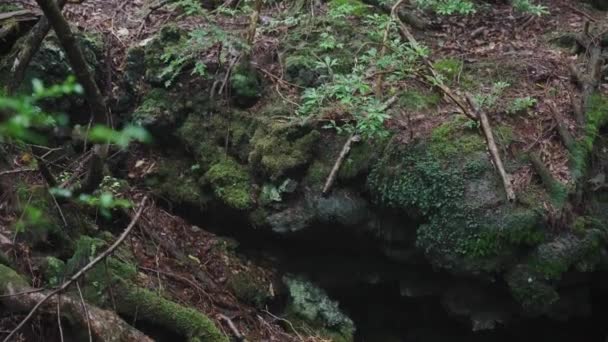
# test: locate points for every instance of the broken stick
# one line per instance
(487, 131)
(334, 171)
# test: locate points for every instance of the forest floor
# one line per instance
(191, 265)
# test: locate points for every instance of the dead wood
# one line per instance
(487, 131)
(334, 171)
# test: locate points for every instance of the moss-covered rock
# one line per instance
(281, 148)
(249, 289)
(310, 305)
(231, 183)
(176, 179)
(158, 112)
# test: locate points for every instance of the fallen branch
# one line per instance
(20, 15)
(487, 131)
(472, 112)
(82, 271)
(237, 334)
(334, 171)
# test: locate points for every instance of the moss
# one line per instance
(316, 174)
(8, 8)
(205, 136)
(150, 307)
(282, 149)
(454, 139)
(175, 180)
(54, 271)
(158, 112)
(249, 289)
(596, 117)
(311, 306)
(358, 7)
(449, 68)
(416, 100)
(300, 70)
(168, 40)
(554, 258)
(535, 295)
(231, 183)
(358, 162)
(518, 228)
(9, 279)
(246, 85)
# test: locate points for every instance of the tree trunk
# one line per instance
(85, 78)
(76, 58)
(30, 47)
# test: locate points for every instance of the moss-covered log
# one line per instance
(152, 308)
(105, 325)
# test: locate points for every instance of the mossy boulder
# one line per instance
(176, 178)
(209, 136)
(311, 306)
(159, 112)
(448, 185)
(156, 71)
(535, 283)
(250, 289)
(231, 183)
(281, 148)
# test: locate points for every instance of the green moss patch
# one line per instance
(231, 183)
(282, 148)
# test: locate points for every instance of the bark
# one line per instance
(105, 325)
(21, 15)
(334, 171)
(255, 17)
(29, 49)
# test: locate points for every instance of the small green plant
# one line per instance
(122, 138)
(24, 114)
(525, 6)
(488, 100)
(328, 42)
(521, 104)
(447, 7)
(190, 7)
(188, 54)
